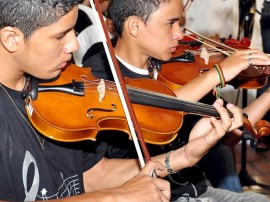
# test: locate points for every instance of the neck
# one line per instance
(131, 55)
(10, 74)
(15, 83)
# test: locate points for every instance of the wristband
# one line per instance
(167, 163)
(222, 81)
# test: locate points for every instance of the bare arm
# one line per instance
(140, 187)
(258, 108)
(204, 135)
(122, 180)
(231, 67)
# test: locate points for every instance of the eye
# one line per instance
(60, 37)
(171, 23)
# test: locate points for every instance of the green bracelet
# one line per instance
(222, 81)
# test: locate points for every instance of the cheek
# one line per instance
(43, 62)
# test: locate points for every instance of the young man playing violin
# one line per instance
(150, 29)
(37, 40)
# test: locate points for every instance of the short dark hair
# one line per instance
(120, 10)
(30, 15)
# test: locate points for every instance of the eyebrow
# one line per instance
(65, 32)
(174, 19)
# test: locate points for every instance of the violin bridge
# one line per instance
(101, 90)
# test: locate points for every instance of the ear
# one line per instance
(10, 38)
(134, 26)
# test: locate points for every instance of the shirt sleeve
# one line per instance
(99, 66)
(93, 153)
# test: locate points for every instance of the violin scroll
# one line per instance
(263, 128)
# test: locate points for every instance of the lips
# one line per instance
(173, 49)
(64, 63)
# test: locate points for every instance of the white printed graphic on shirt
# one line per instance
(70, 186)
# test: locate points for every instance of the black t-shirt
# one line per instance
(27, 172)
(190, 181)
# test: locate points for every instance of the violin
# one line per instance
(181, 73)
(263, 128)
(83, 105)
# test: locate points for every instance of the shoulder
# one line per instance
(99, 66)
(98, 59)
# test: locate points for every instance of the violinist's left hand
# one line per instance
(239, 61)
(213, 129)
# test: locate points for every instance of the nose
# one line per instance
(72, 45)
(178, 34)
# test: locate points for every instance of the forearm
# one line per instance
(258, 108)
(101, 196)
(185, 156)
(206, 83)
(116, 172)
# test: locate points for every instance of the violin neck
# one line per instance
(160, 100)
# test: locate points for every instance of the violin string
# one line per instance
(110, 85)
(91, 84)
(175, 100)
(160, 96)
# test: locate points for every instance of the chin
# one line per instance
(168, 57)
(51, 76)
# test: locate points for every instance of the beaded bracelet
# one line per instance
(167, 163)
(222, 81)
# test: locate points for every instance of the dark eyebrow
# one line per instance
(66, 31)
(173, 19)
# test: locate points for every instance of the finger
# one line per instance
(257, 57)
(238, 118)
(164, 188)
(224, 116)
(150, 167)
(164, 198)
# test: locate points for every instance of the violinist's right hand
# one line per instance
(239, 61)
(144, 187)
(123, 180)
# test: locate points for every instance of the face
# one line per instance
(103, 5)
(50, 48)
(159, 37)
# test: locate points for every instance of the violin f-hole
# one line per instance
(90, 115)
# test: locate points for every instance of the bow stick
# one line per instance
(120, 84)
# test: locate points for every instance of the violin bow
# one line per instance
(213, 41)
(265, 70)
(132, 121)
(187, 5)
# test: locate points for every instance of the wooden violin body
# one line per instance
(181, 73)
(76, 106)
(66, 117)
